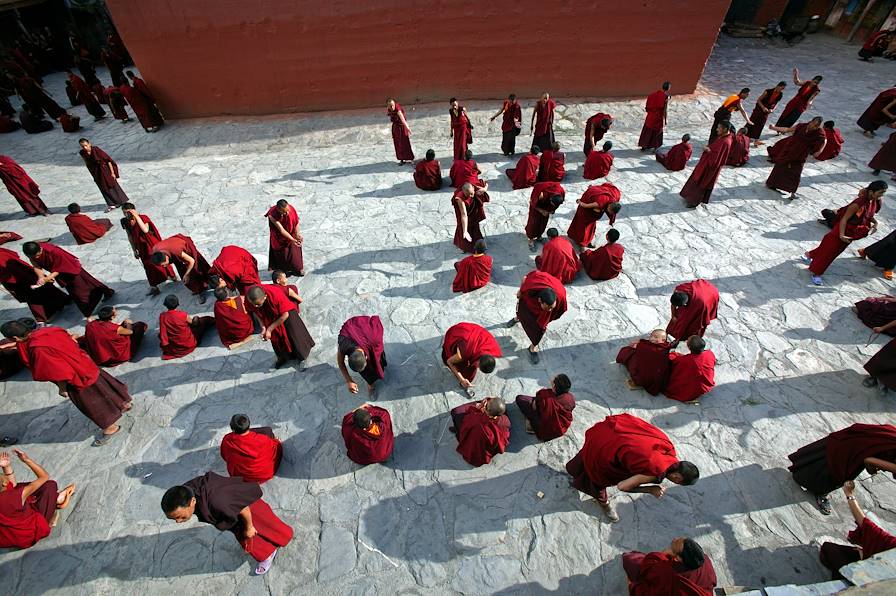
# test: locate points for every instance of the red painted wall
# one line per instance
(212, 57)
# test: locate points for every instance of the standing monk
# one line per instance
(52, 355)
(545, 199)
(647, 362)
(141, 86)
(800, 102)
(525, 174)
(84, 229)
(427, 173)
(657, 108)
(595, 128)
(52, 264)
(482, 429)
(401, 132)
(231, 504)
(361, 341)
(20, 185)
(676, 158)
(105, 174)
(540, 300)
(694, 305)
(765, 105)
(469, 212)
(595, 201)
(252, 454)
(885, 158)
(631, 454)
(474, 271)
(286, 239)
(179, 250)
(143, 235)
(789, 155)
(511, 124)
(682, 569)
(235, 326)
(461, 129)
(86, 96)
(549, 413)
(110, 343)
(733, 103)
(542, 123)
(466, 349)
(149, 117)
(881, 112)
(367, 432)
(698, 189)
(20, 280)
(237, 268)
(559, 258)
(282, 324)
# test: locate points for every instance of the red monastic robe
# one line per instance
(603, 263)
(833, 144)
(740, 151)
(367, 333)
(528, 310)
(676, 158)
(85, 93)
(692, 375)
(473, 342)
(141, 106)
(789, 156)
(24, 522)
(539, 199)
(86, 230)
(475, 208)
(428, 175)
(525, 174)
(291, 339)
(173, 247)
(143, 243)
(648, 364)
(105, 345)
(885, 158)
(660, 574)
(858, 227)
(698, 189)
(254, 456)
(592, 125)
(701, 309)
(481, 437)
(232, 320)
(463, 171)
(597, 165)
(18, 277)
(554, 413)
(85, 290)
(369, 446)
(652, 131)
(283, 254)
(560, 259)
(873, 117)
(584, 222)
(175, 335)
(401, 136)
(473, 272)
(20, 185)
(237, 267)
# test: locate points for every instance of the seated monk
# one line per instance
(691, 375)
(473, 271)
(525, 174)
(740, 149)
(70, 123)
(235, 326)
(558, 257)
(834, 143)
(28, 510)
(676, 158)
(7, 124)
(466, 349)
(367, 431)
(84, 229)
(465, 170)
(252, 454)
(549, 413)
(280, 280)
(604, 262)
(33, 121)
(360, 341)
(683, 568)
(598, 163)
(482, 429)
(109, 343)
(179, 333)
(427, 173)
(552, 165)
(648, 363)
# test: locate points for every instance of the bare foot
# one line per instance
(65, 496)
(55, 519)
(127, 407)
(240, 343)
(631, 384)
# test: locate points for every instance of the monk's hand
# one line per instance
(251, 532)
(352, 387)
(464, 383)
(21, 455)
(4, 459)
(467, 237)
(266, 334)
(849, 487)
(846, 239)
(299, 239)
(657, 491)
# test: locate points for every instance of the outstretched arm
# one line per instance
(41, 474)
(849, 488)
(636, 484)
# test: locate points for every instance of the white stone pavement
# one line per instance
(790, 355)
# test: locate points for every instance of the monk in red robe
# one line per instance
(252, 454)
(237, 268)
(789, 155)
(469, 212)
(285, 239)
(800, 102)
(682, 569)
(73, 98)
(647, 362)
(631, 454)
(826, 464)
(552, 164)
(542, 124)
(367, 432)
(232, 320)
(179, 333)
(732, 103)
(482, 429)
(869, 539)
(179, 250)
(84, 229)
(854, 222)
(595, 128)
(656, 106)
(885, 158)
(598, 163)
(544, 201)
(694, 305)
(876, 44)
(20, 185)
(511, 123)
(105, 174)
(51, 354)
(52, 264)
(283, 326)
(525, 174)
(540, 300)
(595, 201)
(143, 236)
(110, 343)
(231, 504)
(465, 170)
(155, 115)
(69, 123)
(698, 189)
(559, 258)
(401, 132)
(466, 349)
(143, 109)
(28, 510)
(765, 105)
(676, 158)
(140, 85)
(833, 142)
(605, 262)
(692, 375)
(739, 154)
(881, 112)
(117, 104)
(428, 173)
(279, 279)
(549, 413)
(7, 124)
(86, 95)
(461, 128)
(20, 280)
(474, 271)
(360, 340)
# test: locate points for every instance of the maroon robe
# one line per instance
(254, 456)
(528, 309)
(597, 165)
(652, 131)
(694, 317)
(692, 375)
(869, 539)
(401, 136)
(142, 245)
(740, 151)
(833, 144)
(369, 446)
(885, 158)
(232, 320)
(525, 174)
(544, 124)
(648, 364)
(70, 123)
(463, 171)
(593, 127)
(584, 222)
(473, 272)
(768, 100)
(603, 263)
(86, 230)
(560, 259)
(25, 522)
(882, 366)
(177, 337)
(552, 166)
(873, 117)
(109, 348)
(798, 104)
(461, 130)
(475, 208)
(789, 156)
(290, 340)
(98, 164)
(428, 175)
(84, 290)
(367, 333)
(676, 158)
(549, 414)
(141, 106)
(173, 247)
(86, 95)
(283, 254)
(539, 199)
(116, 103)
(661, 574)
(877, 311)
(479, 436)
(698, 189)
(858, 227)
(7, 124)
(18, 277)
(473, 342)
(20, 185)
(237, 268)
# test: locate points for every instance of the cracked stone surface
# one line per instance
(790, 355)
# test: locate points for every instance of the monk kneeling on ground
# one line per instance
(549, 413)
(691, 375)
(647, 361)
(179, 333)
(252, 454)
(683, 568)
(110, 343)
(482, 429)
(367, 432)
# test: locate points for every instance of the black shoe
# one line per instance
(869, 382)
(534, 357)
(511, 323)
(824, 505)
(7, 441)
(875, 172)
(202, 298)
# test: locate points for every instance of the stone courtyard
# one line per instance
(790, 354)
